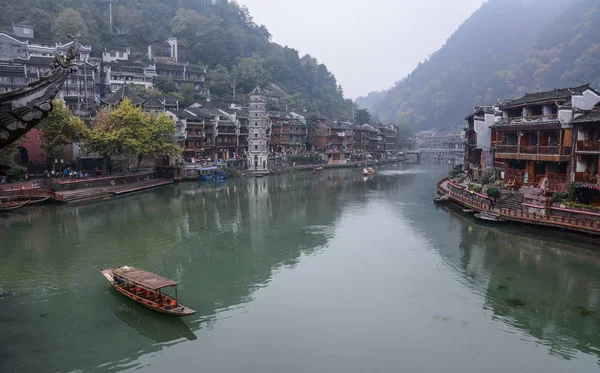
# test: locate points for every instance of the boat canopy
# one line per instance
(207, 168)
(144, 278)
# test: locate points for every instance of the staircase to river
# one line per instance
(513, 201)
(82, 195)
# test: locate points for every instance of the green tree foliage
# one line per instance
(249, 73)
(186, 95)
(220, 81)
(482, 63)
(405, 136)
(128, 131)
(103, 138)
(70, 22)
(219, 34)
(164, 84)
(362, 116)
(59, 129)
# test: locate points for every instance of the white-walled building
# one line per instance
(259, 133)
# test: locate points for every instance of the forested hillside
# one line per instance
(217, 33)
(506, 48)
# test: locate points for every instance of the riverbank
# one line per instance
(552, 217)
(106, 187)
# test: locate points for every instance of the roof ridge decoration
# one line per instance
(23, 109)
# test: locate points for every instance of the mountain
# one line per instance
(219, 34)
(505, 49)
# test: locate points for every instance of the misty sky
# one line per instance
(368, 44)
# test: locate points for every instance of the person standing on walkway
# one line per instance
(492, 203)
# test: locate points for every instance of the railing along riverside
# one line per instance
(478, 203)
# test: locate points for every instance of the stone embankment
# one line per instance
(512, 208)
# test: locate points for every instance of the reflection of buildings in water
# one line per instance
(258, 208)
(556, 280)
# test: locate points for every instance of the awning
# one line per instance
(144, 278)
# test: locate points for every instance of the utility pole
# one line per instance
(110, 12)
(233, 86)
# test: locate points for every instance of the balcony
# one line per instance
(533, 153)
(588, 146)
(538, 119)
(587, 178)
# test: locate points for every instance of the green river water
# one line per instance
(297, 273)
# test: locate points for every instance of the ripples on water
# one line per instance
(329, 270)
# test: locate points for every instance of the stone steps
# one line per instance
(84, 194)
(512, 201)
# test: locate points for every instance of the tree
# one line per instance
(103, 138)
(249, 73)
(186, 94)
(42, 20)
(69, 22)
(59, 129)
(164, 84)
(220, 82)
(405, 136)
(128, 131)
(362, 116)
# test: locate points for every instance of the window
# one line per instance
(19, 80)
(4, 79)
(120, 54)
(255, 147)
(256, 135)
(113, 54)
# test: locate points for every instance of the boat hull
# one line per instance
(176, 312)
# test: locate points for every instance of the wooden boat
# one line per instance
(37, 200)
(145, 288)
(318, 170)
(368, 171)
(12, 205)
(486, 216)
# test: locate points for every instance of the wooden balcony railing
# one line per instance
(582, 177)
(588, 146)
(529, 120)
(507, 149)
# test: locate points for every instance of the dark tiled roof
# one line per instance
(480, 110)
(120, 94)
(154, 102)
(557, 94)
(204, 112)
(37, 60)
(587, 118)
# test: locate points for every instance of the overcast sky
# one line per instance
(367, 44)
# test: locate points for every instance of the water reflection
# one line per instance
(220, 242)
(536, 280)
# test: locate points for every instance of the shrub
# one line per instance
(457, 170)
(572, 191)
(559, 197)
(578, 205)
(475, 187)
(493, 192)
(16, 173)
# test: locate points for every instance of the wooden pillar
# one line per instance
(518, 143)
(560, 141)
(538, 141)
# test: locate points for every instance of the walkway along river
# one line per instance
(297, 273)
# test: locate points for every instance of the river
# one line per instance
(297, 273)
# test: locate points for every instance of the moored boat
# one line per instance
(441, 198)
(12, 205)
(486, 216)
(145, 288)
(368, 171)
(318, 170)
